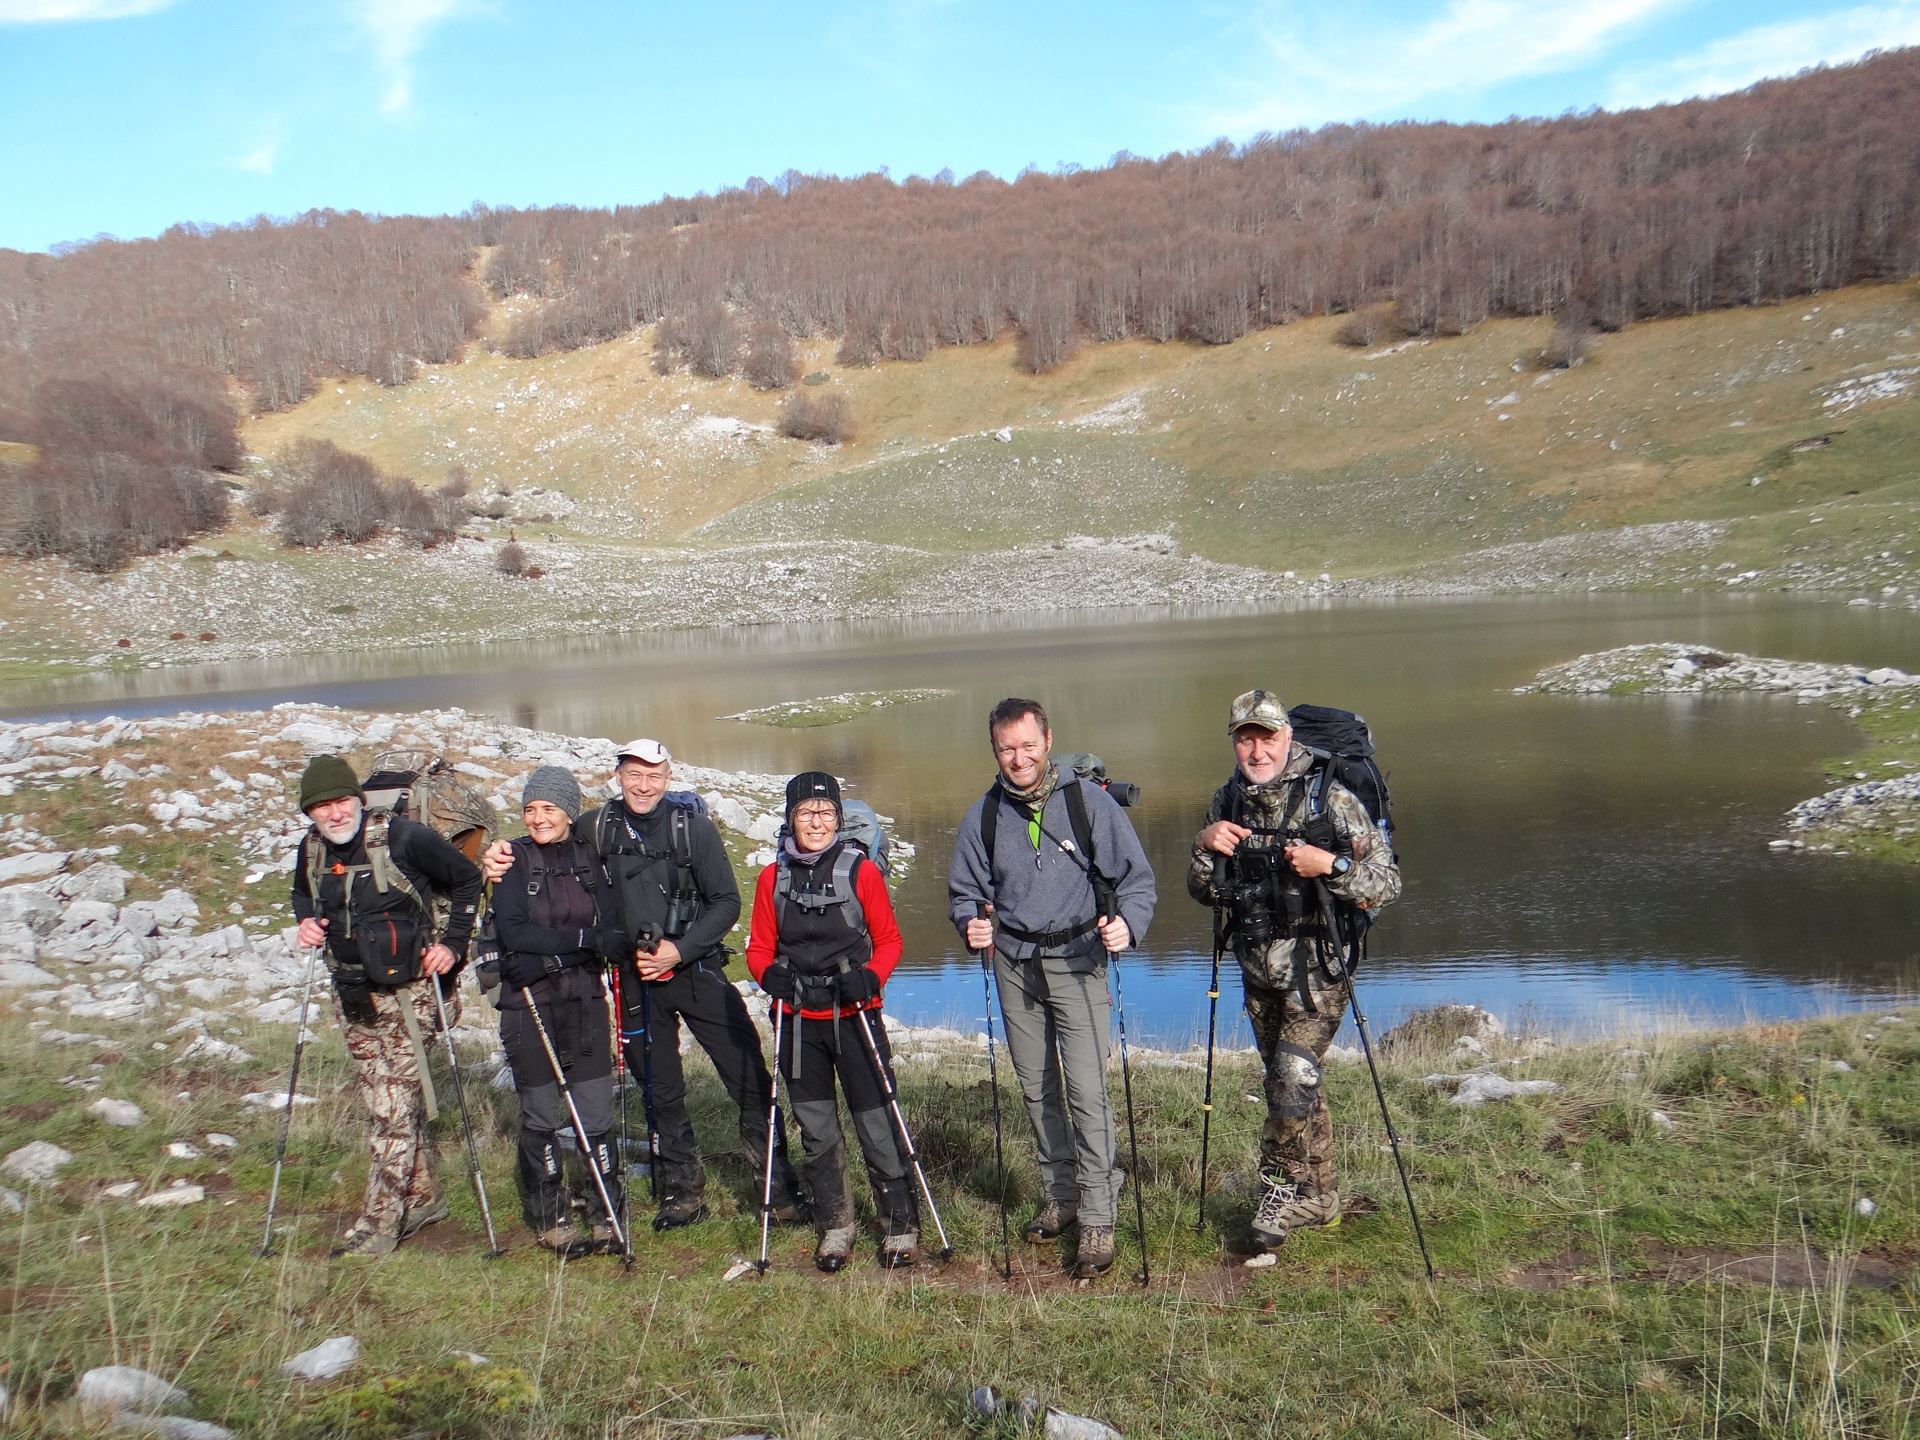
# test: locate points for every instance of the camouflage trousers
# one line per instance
(401, 1159)
(1296, 1142)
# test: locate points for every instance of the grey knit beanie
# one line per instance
(556, 786)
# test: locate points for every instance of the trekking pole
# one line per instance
(610, 985)
(646, 1091)
(579, 1128)
(1213, 1014)
(900, 1121)
(286, 1117)
(1330, 917)
(773, 1128)
(983, 911)
(1133, 1137)
(494, 1251)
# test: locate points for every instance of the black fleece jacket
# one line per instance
(642, 884)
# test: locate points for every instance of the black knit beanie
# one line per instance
(813, 785)
(327, 777)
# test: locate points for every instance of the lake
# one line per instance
(1578, 863)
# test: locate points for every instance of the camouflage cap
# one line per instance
(1258, 707)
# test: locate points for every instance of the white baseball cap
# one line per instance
(652, 752)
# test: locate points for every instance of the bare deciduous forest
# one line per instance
(124, 361)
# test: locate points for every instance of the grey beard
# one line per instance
(343, 832)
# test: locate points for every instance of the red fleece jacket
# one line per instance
(871, 886)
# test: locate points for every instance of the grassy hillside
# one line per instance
(1284, 450)
(1443, 465)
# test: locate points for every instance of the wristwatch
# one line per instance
(1341, 865)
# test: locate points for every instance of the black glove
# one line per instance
(609, 941)
(858, 986)
(779, 981)
(521, 969)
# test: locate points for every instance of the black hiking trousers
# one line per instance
(718, 1018)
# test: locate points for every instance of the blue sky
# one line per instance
(124, 116)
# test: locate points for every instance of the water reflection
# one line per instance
(1593, 858)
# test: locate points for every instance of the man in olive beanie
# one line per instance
(362, 889)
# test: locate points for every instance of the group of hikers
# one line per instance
(602, 930)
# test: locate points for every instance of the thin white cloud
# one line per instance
(1365, 64)
(399, 28)
(259, 160)
(1740, 60)
(45, 12)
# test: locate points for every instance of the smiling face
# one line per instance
(545, 821)
(1260, 751)
(643, 784)
(1020, 750)
(815, 824)
(338, 821)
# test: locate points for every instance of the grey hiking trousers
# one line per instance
(1057, 1023)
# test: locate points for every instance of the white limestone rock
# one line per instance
(176, 1194)
(32, 865)
(37, 1163)
(123, 1114)
(326, 1360)
(30, 906)
(114, 1388)
(1476, 1090)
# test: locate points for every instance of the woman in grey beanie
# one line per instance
(556, 922)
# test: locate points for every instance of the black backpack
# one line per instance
(1343, 749)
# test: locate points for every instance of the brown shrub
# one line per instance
(770, 363)
(1365, 327)
(821, 418)
(511, 559)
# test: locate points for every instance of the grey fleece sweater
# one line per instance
(1050, 890)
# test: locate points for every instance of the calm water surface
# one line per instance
(1580, 862)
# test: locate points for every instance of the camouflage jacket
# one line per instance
(1280, 804)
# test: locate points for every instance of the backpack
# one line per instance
(1091, 767)
(1342, 745)
(865, 839)
(422, 786)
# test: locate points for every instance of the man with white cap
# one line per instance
(678, 899)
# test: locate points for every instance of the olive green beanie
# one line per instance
(327, 777)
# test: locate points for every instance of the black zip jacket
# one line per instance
(642, 900)
(550, 923)
(430, 863)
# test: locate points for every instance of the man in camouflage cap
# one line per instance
(1297, 987)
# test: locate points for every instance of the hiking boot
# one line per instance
(900, 1250)
(358, 1244)
(1283, 1209)
(792, 1212)
(565, 1241)
(678, 1210)
(1095, 1255)
(432, 1213)
(1054, 1217)
(834, 1250)
(603, 1241)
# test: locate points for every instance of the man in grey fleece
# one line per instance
(1038, 877)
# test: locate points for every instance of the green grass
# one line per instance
(1580, 1194)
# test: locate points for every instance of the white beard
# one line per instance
(342, 832)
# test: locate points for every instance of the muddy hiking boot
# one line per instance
(602, 1240)
(1095, 1254)
(1054, 1217)
(680, 1208)
(414, 1221)
(1283, 1209)
(792, 1211)
(358, 1244)
(565, 1241)
(835, 1249)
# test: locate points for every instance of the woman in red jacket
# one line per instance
(822, 943)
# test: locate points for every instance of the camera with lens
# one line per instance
(1253, 912)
